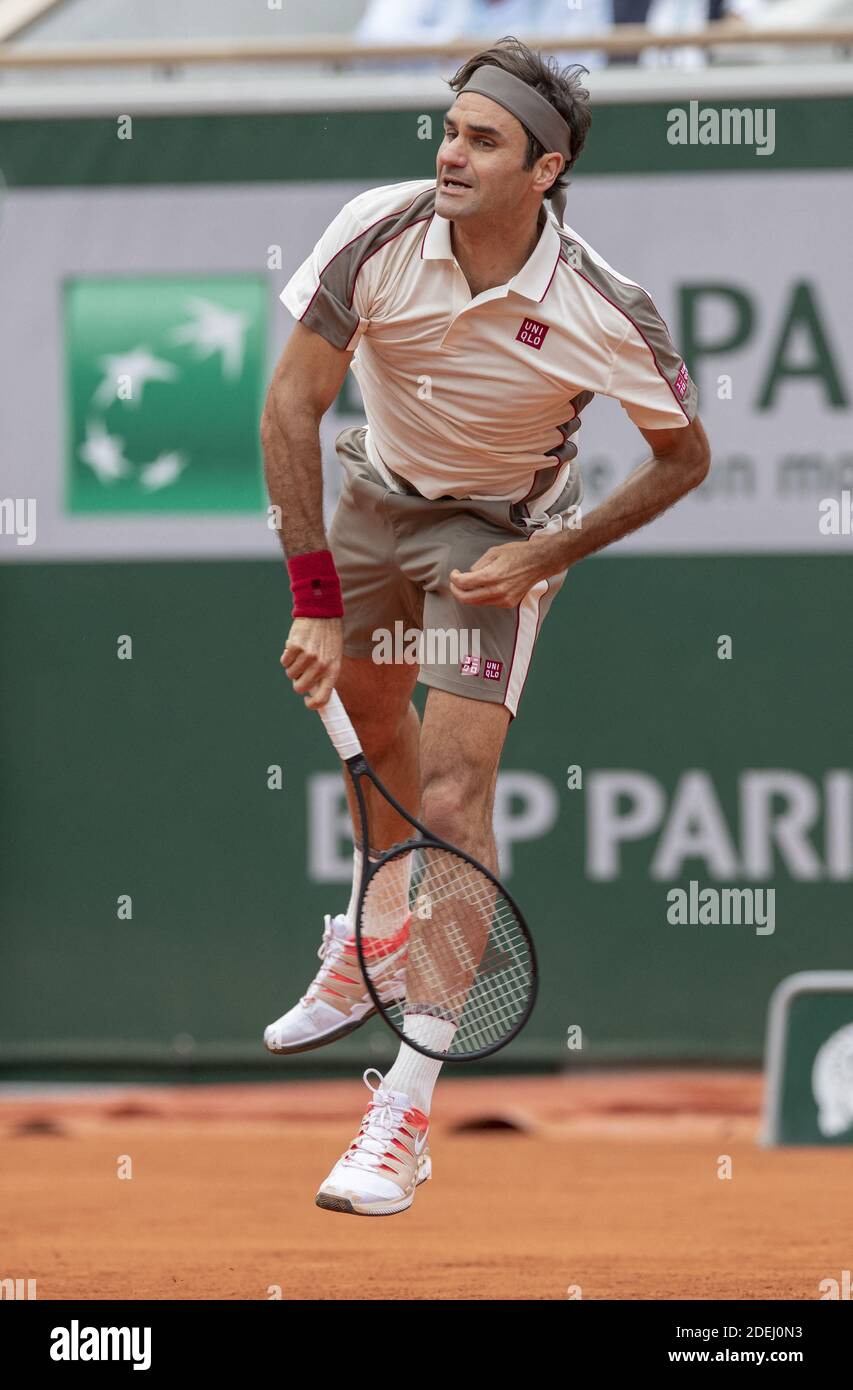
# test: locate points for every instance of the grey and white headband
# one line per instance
(533, 110)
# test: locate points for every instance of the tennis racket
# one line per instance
(446, 954)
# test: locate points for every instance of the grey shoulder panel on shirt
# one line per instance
(638, 308)
(330, 312)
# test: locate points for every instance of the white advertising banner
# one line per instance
(141, 325)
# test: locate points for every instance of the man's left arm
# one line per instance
(502, 576)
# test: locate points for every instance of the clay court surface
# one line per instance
(608, 1182)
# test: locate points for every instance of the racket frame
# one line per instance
(358, 767)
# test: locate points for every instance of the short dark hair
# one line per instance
(562, 87)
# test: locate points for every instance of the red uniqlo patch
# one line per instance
(470, 666)
(492, 670)
(682, 381)
(532, 333)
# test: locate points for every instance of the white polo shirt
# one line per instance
(464, 396)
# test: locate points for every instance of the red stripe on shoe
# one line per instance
(375, 947)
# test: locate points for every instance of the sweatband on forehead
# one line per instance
(533, 110)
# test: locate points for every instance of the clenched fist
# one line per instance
(312, 657)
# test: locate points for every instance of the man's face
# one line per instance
(479, 165)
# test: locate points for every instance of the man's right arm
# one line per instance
(306, 382)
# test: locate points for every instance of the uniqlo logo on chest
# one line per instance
(470, 666)
(492, 670)
(681, 382)
(532, 333)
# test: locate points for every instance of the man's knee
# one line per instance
(455, 801)
(377, 699)
(460, 751)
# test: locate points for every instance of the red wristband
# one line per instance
(315, 586)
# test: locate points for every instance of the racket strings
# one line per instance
(464, 956)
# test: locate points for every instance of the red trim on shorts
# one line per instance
(533, 644)
(514, 645)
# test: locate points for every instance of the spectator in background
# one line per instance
(573, 17)
(629, 12)
(413, 21)
(405, 21)
(677, 16)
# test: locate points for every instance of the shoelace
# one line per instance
(383, 1116)
(331, 949)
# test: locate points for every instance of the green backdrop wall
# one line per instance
(148, 777)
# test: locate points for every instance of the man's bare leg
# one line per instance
(460, 749)
(461, 745)
(378, 701)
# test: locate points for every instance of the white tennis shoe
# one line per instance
(386, 1161)
(337, 1000)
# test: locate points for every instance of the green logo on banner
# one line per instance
(166, 383)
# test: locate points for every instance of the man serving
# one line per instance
(478, 327)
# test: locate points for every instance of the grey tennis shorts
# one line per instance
(394, 552)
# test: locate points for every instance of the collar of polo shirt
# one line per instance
(535, 275)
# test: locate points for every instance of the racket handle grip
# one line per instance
(339, 727)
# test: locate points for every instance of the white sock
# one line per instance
(396, 877)
(357, 864)
(388, 903)
(412, 1073)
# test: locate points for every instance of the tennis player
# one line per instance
(478, 326)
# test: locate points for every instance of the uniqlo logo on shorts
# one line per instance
(682, 381)
(492, 670)
(532, 333)
(470, 666)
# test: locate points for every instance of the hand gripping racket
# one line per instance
(446, 954)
